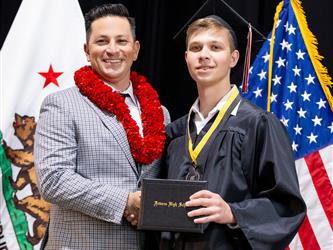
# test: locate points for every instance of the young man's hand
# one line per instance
(213, 208)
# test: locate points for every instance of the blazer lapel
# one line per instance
(117, 130)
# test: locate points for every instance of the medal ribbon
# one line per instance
(195, 153)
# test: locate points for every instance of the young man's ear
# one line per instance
(86, 50)
(234, 58)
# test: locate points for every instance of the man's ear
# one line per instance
(136, 50)
(234, 58)
(86, 50)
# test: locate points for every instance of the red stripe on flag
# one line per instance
(321, 183)
(307, 236)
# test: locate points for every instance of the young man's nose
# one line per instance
(204, 58)
(204, 53)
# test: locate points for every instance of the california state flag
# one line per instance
(42, 50)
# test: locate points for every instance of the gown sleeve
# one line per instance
(271, 217)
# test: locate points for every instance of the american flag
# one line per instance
(296, 91)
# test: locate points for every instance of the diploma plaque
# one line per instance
(163, 205)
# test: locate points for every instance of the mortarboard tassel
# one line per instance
(247, 62)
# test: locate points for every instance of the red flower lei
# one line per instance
(144, 149)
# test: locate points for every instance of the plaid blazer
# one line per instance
(86, 170)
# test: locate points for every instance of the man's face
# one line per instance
(209, 57)
(111, 49)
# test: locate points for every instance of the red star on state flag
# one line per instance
(50, 76)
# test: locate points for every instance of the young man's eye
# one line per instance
(195, 48)
(216, 47)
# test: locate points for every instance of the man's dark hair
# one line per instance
(108, 10)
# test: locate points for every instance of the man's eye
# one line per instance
(122, 41)
(101, 42)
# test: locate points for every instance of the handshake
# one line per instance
(132, 209)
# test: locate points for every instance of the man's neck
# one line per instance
(209, 96)
(119, 86)
(120, 83)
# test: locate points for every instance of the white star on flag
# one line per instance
(292, 87)
(262, 75)
(286, 45)
(291, 29)
(312, 138)
(258, 92)
(273, 97)
(288, 104)
(321, 103)
(277, 79)
(301, 113)
(300, 54)
(316, 121)
(280, 62)
(310, 79)
(294, 146)
(331, 127)
(306, 96)
(284, 121)
(298, 130)
(296, 71)
(266, 57)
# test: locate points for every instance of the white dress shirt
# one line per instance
(200, 121)
(133, 105)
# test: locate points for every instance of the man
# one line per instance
(93, 145)
(253, 199)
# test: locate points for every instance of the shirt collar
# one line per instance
(128, 91)
(217, 108)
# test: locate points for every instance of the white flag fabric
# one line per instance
(40, 54)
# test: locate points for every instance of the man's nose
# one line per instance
(112, 48)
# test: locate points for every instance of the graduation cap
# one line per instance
(240, 29)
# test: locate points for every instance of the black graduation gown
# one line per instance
(250, 164)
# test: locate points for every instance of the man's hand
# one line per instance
(131, 212)
(214, 208)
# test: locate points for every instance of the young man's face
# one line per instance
(111, 48)
(209, 57)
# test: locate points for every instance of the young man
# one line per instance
(253, 199)
(93, 146)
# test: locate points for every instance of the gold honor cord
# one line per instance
(195, 153)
